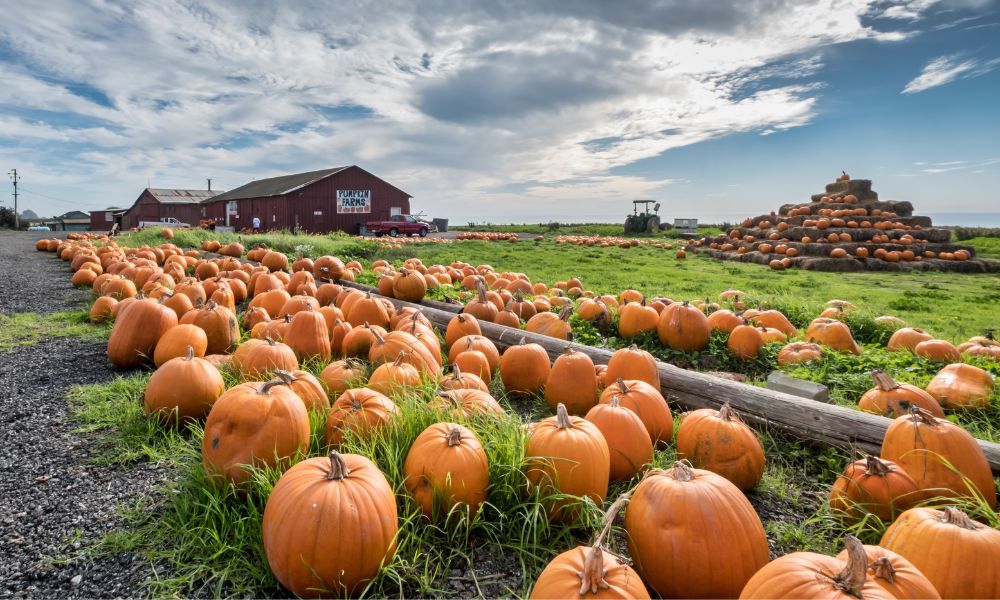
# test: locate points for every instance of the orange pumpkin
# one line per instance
(572, 382)
(446, 466)
(307, 514)
(872, 485)
(907, 338)
(745, 341)
(939, 350)
(341, 375)
(799, 352)
(720, 442)
(137, 330)
(360, 410)
(833, 334)
(683, 327)
(633, 363)
(959, 386)
(646, 402)
(628, 441)
(524, 368)
(183, 389)
(892, 399)
(176, 342)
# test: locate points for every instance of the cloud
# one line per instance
(449, 99)
(946, 69)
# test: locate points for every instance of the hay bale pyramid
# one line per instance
(846, 228)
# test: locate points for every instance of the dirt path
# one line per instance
(55, 503)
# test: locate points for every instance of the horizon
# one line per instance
(509, 113)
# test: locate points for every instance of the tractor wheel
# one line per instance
(629, 223)
(653, 224)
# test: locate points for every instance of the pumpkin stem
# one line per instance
(883, 380)
(566, 312)
(286, 377)
(481, 290)
(958, 518)
(338, 468)
(919, 415)
(726, 412)
(378, 337)
(266, 388)
(267, 338)
(682, 471)
(616, 401)
(399, 358)
(562, 417)
(883, 569)
(876, 466)
(454, 436)
(592, 577)
(852, 579)
(189, 354)
(622, 387)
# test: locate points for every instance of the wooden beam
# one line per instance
(807, 419)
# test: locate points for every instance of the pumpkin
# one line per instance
(274, 261)
(775, 319)
(467, 402)
(635, 318)
(745, 341)
(360, 410)
(272, 301)
(628, 441)
(409, 286)
(329, 268)
(552, 325)
(136, 332)
(725, 320)
(646, 402)
(961, 386)
(683, 327)
(308, 336)
(219, 324)
(572, 382)
(358, 341)
(567, 456)
(718, 441)
(594, 310)
(388, 348)
(480, 307)
(799, 352)
(590, 572)
(895, 574)
(340, 376)
(263, 424)
(102, 310)
(460, 380)
(907, 338)
(524, 368)
(176, 342)
(297, 304)
(683, 512)
(872, 485)
(307, 387)
(939, 350)
(183, 389)
(460, 326)
(938, 454)
(632, 363)
(892, 399)
(812, 575)
(265, 358)
(959, 556)
(366, 309)
(393, 378)
(311, 512)
(833, 334)
(446, 466)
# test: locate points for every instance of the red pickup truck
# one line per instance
(399, 225)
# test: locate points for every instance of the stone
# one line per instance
(780, 382)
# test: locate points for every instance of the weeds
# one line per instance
(25, 329)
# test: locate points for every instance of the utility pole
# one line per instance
(17, 219)
(210, 184)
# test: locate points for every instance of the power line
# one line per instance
(54, 199)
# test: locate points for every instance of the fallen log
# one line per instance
(807, 419)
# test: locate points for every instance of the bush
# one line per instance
(967, 233)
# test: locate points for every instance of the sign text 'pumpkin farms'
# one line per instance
(354, 201)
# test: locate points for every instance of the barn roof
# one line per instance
(171, 196)
(277, 186)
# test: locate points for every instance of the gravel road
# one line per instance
(55, 502)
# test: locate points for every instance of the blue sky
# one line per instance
(516, 111)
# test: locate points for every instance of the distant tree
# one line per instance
(6, 217)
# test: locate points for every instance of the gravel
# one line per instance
(55, 502)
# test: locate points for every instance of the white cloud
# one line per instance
(459, 101)
(946, 69)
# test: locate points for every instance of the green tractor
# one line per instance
(646, 221)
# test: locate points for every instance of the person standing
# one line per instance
(256, 224)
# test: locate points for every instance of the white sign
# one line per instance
(317, 213)
(354, 201)
(231, 207)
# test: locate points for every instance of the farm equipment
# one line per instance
(647, 221)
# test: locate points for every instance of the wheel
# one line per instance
(423, 232)
(628, 223)
(653, 224)
(393, 232)
(378, 234)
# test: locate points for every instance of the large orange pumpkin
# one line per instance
(446, 466)
(907, 338)
(892, 399)
(832, 333)
(628, 441)
(136, 332)
(812, 575)
(361, 410)
(682, 513)
(183, 389)
(960, 386)
(567, 455)
(799, 352)
(646, 402)
(176, 341)
(873, 485)
(633, 363)
(255, 423)
(573, 382)
(958, 555)
(524, 368)
(310, 516)
(341, 375)
(718, 441)
(220, 325)
(939, 456)
(309, 336)
(683, 327)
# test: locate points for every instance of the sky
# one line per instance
(508, 111)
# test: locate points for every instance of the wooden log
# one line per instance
(807, 419)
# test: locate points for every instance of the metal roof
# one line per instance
(169, 196)
(277, 186)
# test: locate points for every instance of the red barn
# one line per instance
(337, 199)
(103, 220)
(154, 204)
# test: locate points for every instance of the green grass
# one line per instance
(25, 329)
(986, 247)
(336, 244)
(605, 229)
